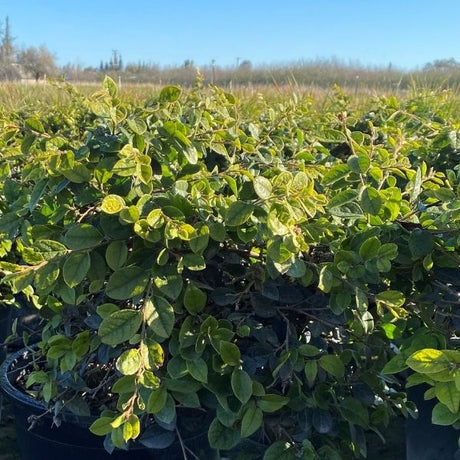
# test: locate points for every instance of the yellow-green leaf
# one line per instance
(112, 204)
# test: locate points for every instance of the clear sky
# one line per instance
(407, 33)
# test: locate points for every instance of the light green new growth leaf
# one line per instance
(326, 279)
(129, 362)
(110, 86)
(137, 125)
(262, 187)
(112, 204)
(428, 361)
(391, 298)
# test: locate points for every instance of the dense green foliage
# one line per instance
(263, 264)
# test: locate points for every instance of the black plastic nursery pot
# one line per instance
(5, 324)
(72, 440)
(424, 440)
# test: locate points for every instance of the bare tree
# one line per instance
(39, 62)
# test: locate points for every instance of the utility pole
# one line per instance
(7, 49)
(213, 70)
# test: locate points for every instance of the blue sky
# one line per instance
(375, 32)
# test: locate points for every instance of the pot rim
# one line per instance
(17, 396)
(8, 388)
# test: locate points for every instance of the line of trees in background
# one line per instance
(20, 64)
(38, 63)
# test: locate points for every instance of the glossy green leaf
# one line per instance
(230, 353)
(194, 299)
(170, 94)
(157, 400)
(127, 282)
(335, 174)
(82, 236)
(168, 412)
(116, 254)
(421, 243)
(448, 395)
(371, 202)
(75, 268)
(221, 437)
(333, 365)
(359, 163)
(354, 412)
(272, 402)
(119, 327)
(311, 371)
(281, 450)
(170, 285)
(342, 198)
(160, 316)
(238, 213)
(198, 369)
(251, 421)
(101, 426)
(370, 248)
(241, 385)
(441, 415)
